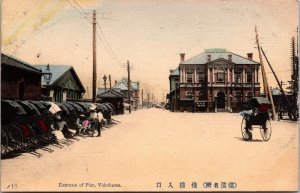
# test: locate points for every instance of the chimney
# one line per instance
(182, 57)
(116, 82)
(208, 58)
(250, 56)
(229, 57)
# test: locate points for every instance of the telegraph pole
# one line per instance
(291, 109)
(94, 57)
(109, 78)
(262, 65)
(265, 81)
(148, 98)
(142, 98)
(129, 100)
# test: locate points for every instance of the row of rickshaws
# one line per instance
(26, 124)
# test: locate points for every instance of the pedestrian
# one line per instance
(94, 120)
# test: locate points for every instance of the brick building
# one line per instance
(19, 80)
(215, 80)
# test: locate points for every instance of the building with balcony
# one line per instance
(214, 80)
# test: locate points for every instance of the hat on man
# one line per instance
(93, 107)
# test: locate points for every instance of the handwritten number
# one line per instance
(12, 186)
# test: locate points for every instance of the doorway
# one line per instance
(221, 100)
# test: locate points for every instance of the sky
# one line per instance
(149, 34)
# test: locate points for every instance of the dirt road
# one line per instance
(158, 150)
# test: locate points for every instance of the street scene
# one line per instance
(101, 95)
(156, 146)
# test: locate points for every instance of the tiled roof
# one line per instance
(12, 61)
(135, 85)
(216, 54)
(123, 85)
(174, 72)
(56, 70)
(111, 94)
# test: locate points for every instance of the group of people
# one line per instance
(86, 125)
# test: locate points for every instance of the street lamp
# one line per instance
(104, 78)
(47, 75)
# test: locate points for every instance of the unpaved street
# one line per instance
(152, 148)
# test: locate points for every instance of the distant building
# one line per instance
(114, 97)
(214, 80)
(19, 80)
(174, 82)
(64, 83)
(122, 86)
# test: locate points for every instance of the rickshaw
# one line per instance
(257, 116)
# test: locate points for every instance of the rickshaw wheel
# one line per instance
(4, 143)
(266, 130)
(14, 137)
(247, 135)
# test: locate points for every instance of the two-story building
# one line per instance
(122, 86)
(214, 80)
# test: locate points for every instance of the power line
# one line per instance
(82, 9)
(281, 71)
(89, 19)
(116, 62)
(108, 43)
(104, 40)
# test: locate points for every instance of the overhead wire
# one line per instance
(86, 17)
(104, 40)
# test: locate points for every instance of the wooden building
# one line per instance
(19, 80)
(122, 86)
(114, 97)
(215, 80)
(64, 83)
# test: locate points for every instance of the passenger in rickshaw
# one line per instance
(61, 125)
(82, 124)
(256, 114)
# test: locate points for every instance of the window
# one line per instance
(250, 94)
(237, 78)
(189, 77)
(237, 96)
(220, 76)
(201, 77)
(202, 95)
(249, 77)
(189, 94)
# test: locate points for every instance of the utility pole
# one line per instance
(148, 98)
(265, 81)
(109, 78)
(152, 98)
(94, 57)
(129, 100)
(290, 107)
(87, 91)
(262, 65)
(142, 98)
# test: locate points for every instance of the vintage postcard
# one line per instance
(141, 95)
